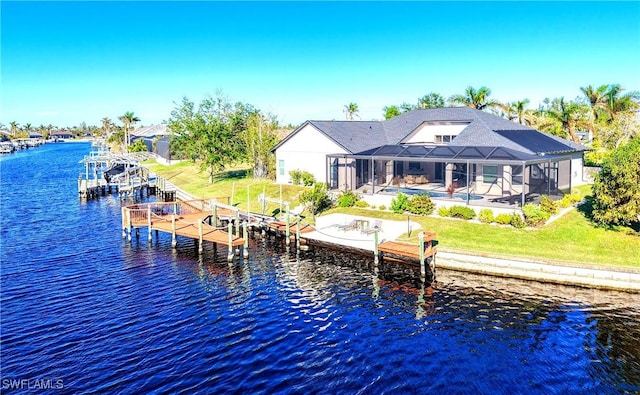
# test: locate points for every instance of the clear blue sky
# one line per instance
(65, 63)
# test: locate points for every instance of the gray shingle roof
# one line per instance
(151, 131)
(484, 130)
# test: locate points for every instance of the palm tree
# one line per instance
(570, 115)
(128, 120)
(14, 127)
(597, 98)
(107, 125)
(27, 127)
(350, 110)
(478, 99)
(517, 110)
(617, 103)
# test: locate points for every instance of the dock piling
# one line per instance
(174, 242)
(124, 222)
(149, 221)
(376, 258)
(230, 253)
(245, 252)
(423, 271)
(200, 237)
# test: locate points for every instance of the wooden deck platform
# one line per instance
(401, 249)
(281, 226)
(189, 224)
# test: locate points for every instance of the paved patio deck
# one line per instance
(328, 230)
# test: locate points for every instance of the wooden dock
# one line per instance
(222, 224)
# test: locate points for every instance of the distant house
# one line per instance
(61, 135)
(442, 149)
(148, 134)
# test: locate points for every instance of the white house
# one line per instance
(460, 148)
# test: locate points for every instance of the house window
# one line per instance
(516, 174)
(281, 167)
(489, 174)
(414, 165)
(444, 139)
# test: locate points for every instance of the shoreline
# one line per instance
(625, 279)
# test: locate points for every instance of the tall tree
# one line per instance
(351, 110)
(14, 127)
(205, 135)
(259, 138)
(517, 111)
(391, 112)
(107, 125)
(571, 116)
(616, 189)
(597, 100)
(618, 103)
(478, 99)
(128, 120)
(431, 100)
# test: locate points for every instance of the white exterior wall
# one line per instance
(427, 133)
(306, 150)
(577, 170)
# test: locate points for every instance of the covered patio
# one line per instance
(475, 175)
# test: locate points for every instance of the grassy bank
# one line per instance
(231, 186)
(571, 239)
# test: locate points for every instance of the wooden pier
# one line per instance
(211, 221)
(130, 180)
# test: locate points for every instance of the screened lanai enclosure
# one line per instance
(477, 175)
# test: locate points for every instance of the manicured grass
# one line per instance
(571, 239)
(229, 186)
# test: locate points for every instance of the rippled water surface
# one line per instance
(90, 312)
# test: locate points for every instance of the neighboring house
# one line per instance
(148, 134)
(434, 149)
(61, 135)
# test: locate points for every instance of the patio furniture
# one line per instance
(377, 225)
(349, 226)
(410, 179)
(421, 179)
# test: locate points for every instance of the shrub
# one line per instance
(548, 205)
(296, 176)
(317, 198)
(534, 215)
(400, 203)
(463, 212)
(486, 216)
(443, 211)
(421, 205)
(307, 179)
(503, 219)
(382, 207)
(569, 199)
(361, 203)
(347, 199)
(517, 221)
(302, 177)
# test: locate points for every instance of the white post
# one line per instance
(149, 221)
(423, 271)
(200, 237)
(174, 242)
(230, 254)
(245, 252)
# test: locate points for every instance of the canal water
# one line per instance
(82, 311)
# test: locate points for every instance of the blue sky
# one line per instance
(65, 63)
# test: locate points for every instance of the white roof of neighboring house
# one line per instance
(151, 131)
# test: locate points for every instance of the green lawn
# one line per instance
(230, 186)
(570, 239)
